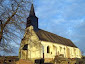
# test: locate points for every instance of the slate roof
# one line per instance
(50, 37)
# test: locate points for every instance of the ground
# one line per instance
(23, 62)
(16, 60)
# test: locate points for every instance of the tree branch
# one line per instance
(1, 31)
(1, 25)
(10, 17)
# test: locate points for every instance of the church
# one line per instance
(38, 43)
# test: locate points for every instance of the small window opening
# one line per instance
(48, 49)
(60, 48)
(51, 52)
(25, 47)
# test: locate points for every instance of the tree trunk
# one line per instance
(1, 31)
(1, 34)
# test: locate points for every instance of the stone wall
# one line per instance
(36, 48)
(33, 45)
(59, 49)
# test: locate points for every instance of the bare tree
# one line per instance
(13, 14)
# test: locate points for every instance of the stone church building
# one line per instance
(38, 43)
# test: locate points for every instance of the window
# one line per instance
(58, 52)
(60, 49)
(25, 47)
(48, 49)
(75, 52)
(64, 48)
(43, 49)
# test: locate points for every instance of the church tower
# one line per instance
(32, 19)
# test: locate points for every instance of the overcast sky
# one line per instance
(63, 17)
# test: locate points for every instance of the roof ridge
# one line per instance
(51, 37)
(53, 34)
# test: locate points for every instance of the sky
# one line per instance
(63, 17)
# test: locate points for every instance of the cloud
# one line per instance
(63, 17)
(69, 9)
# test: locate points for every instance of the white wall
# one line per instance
(60, 49)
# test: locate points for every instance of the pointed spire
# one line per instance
(32, 12)
(32, 19)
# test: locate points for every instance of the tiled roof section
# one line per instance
(50, 37)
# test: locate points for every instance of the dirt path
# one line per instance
(23, 62)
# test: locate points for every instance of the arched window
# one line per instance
(48, 49)
(60, 49)
(75, 52)
(25, 47)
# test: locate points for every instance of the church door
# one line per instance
(25, 51)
